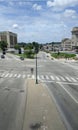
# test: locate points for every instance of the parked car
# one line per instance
(2, 56)
(22, 58)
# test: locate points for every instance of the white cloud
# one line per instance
(70, 13)
(37, 7)
(15, 26)
(61, 3)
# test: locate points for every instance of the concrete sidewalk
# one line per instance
(41, 112)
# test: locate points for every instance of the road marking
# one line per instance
(74, 80)
(6, 75)
(28, 76)
(33, 76)
(24, 76)
(38, 77)
(52, 77)
(62, 78)
(46, 76)
(2, 74)
(19, 76)
(42, 76)
(68, 78)
(68, 93)
(15, 75)
(57, 78)
(10, 75)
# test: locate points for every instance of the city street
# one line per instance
(59, 78)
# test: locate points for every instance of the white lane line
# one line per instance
(62, 78)
(57, 78)
(68, 78)
(68, 93)
(52, 77)
(6, 75)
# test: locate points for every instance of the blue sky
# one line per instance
(39, 20)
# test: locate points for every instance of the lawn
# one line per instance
(62, 55)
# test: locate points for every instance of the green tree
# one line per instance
(3, 45)
(17, 47)
(36, 46)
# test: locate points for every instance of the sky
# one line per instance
(42, 21)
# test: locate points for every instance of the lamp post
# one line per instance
(36, 70)
(36, 51)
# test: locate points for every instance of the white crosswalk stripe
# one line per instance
(10, 75)
(38, 77)
(33, 76)
(74, 80)
(3, 75)
(47, 77)
(68, 78)
(42, 77)
(63, 79)
(57, 78)
(15, 75)
(52, 77)
(23, 76)
(6, 75)
(19, 76)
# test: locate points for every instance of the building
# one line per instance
(66, 44)
(70, 44)
(9, 37)
(54, 46)
(74, 37)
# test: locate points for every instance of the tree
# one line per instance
(36, 46)
(3, 45)
(17, 47)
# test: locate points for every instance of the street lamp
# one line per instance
(36, 70)
(36, 50)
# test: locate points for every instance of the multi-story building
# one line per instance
(70, 44)
(74, 37)
(9, 37)
(66, 44)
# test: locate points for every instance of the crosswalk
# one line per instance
(45, 78)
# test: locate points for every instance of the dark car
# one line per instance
(22, 58)
(2, 56)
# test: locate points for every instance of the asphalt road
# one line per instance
(13, 74)
(60, 79)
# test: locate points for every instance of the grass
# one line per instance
(26, 55)
(62, 55)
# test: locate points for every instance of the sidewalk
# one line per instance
(41, 112)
